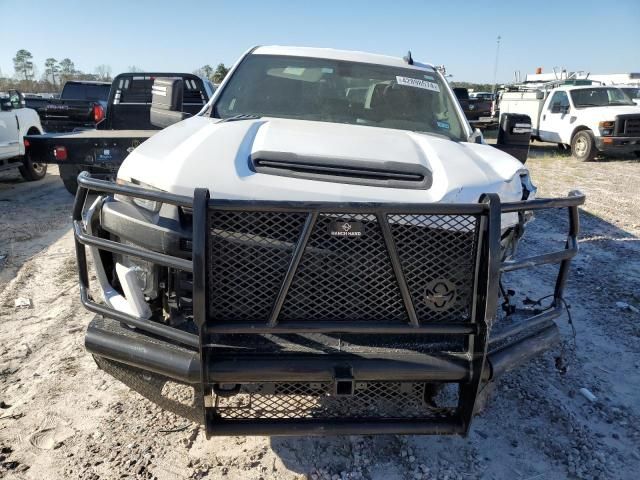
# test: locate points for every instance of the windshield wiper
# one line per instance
(242, 116)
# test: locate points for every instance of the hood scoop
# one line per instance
(341, 170)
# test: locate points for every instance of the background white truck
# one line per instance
(591, 119)
(16, 122)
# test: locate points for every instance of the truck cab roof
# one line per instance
(333, 54)
(87, 82)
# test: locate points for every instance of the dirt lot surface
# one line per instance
(62, 417)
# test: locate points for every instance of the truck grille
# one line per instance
(340, 277)
(312, 400)
(632, 127)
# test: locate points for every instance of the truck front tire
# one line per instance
(583, 146)
(69, 176)
(32, 171)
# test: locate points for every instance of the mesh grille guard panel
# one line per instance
(249, 255)
(310, 400)
(340, 278)
(437, 254)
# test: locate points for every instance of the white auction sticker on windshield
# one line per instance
(418, 83)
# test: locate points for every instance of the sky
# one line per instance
(594, 36)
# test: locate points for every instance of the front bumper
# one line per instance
(618, 144)
(326, 376)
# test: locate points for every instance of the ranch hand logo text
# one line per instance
(346, 229)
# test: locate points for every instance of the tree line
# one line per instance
(476, 87)
(57, 72)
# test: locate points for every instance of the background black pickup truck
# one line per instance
(126, 125)
(475, 109)
(82, 104)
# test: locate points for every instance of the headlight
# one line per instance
(528, 188)
(149, 205)
(606, 128)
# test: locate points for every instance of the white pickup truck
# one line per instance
(16, 122)
(316, 252)
(591, 119)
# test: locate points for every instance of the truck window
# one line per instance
(599, 97)
(85, 91)
(325, 90)
(632, 92)
(461, 93)
(137, 90)
(559, 99)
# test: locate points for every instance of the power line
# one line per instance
(495, 65)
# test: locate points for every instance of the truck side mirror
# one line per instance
(476, 136)
(17, 99)
(5, 105)
(166, 102)
(514, 135)
(539, 95)
(558, 108)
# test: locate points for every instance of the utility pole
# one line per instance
(495, 65)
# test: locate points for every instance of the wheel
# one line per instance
(69, 176)
(32, 171)
(583, 146)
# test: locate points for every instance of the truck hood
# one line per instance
(204, 152)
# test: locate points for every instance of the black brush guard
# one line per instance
(302, 330)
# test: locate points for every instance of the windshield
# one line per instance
(340, 92)
(632, 92)
(482, 96)
(86, 91)
(599, 97)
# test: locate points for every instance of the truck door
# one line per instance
(554, 118)
(9, 137)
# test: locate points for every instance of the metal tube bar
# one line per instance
(85, 180)
(116, 247)
(199, 255)
(397, 269)
(343, 327)
(405, 367)
(337, 426)
(81, 253)
(146, 325)
(547, 258)
(513, 355)
(159, 357)
(298, 252)
(531, 322)
(485, 301)
(362, 207)
(574, 199)
(563, 273)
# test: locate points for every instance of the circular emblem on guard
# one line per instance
(440, 294)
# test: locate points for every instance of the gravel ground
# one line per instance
(61, 417)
